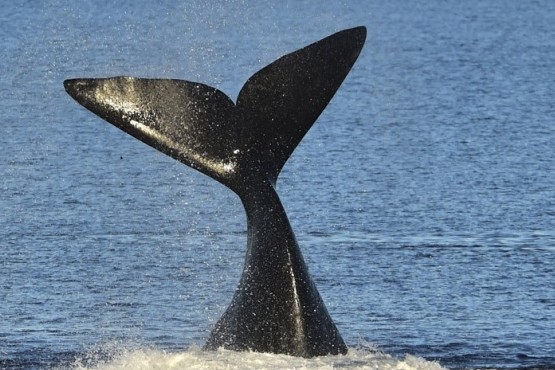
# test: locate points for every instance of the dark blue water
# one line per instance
(423, 199)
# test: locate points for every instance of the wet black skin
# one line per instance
(276, 307)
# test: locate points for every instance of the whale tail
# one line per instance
(244, 145)
(201, 127)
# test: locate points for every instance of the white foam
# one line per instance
(195, 358)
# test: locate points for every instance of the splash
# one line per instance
(195, 358)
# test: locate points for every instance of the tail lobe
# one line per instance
(201, 127)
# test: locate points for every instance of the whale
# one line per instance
(244, 145)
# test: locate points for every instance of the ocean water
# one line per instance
(423, 199)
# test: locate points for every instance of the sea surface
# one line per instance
(423, 199)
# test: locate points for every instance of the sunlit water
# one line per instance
(423, 199)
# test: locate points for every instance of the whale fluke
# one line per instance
(276, 307)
